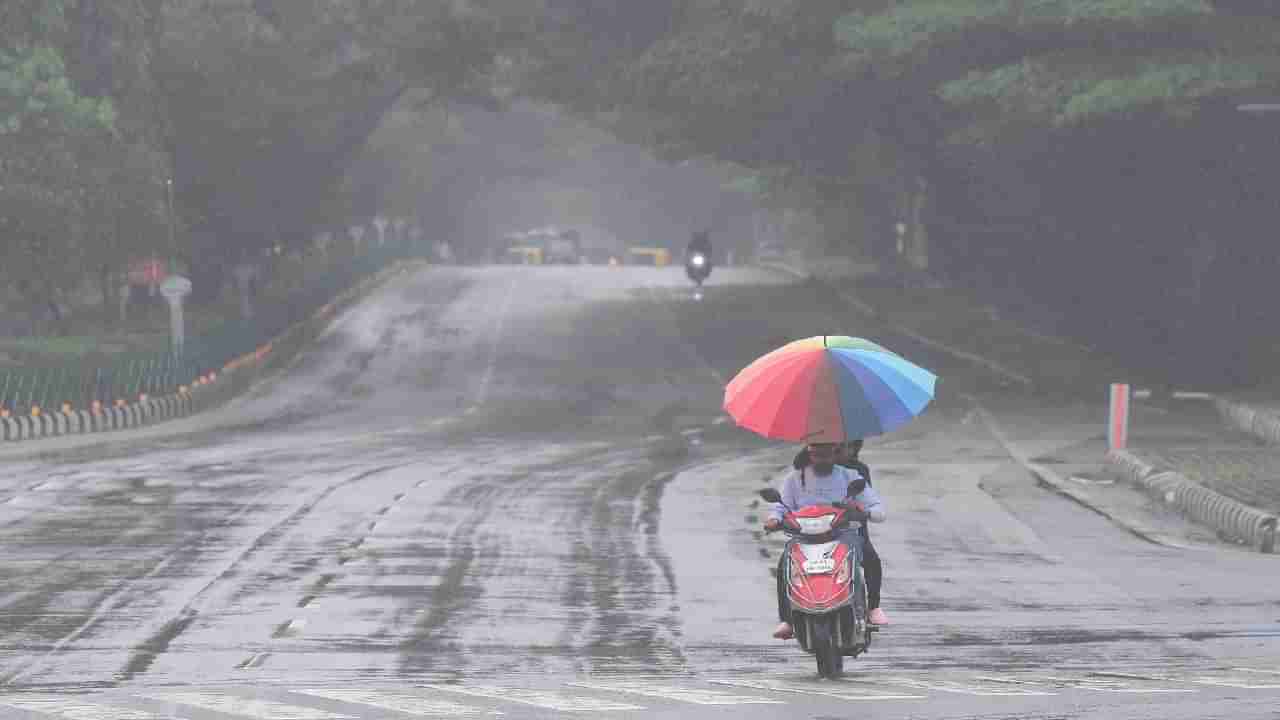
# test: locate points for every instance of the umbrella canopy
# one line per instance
(829, 388)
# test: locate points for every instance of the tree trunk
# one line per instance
(917, 225)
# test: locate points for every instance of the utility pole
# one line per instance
(172, 231)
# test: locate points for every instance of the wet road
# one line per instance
(510, 490)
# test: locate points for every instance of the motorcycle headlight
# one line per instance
(698, 261)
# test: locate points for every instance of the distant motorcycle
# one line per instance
(825, 584)
(698, 267)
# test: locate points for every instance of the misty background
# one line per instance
(1086, 168)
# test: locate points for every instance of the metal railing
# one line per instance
(127, 376)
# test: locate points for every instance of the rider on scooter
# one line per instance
(700, 243)
(827, 483)
(847, 455)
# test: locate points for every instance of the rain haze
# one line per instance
(620, 359)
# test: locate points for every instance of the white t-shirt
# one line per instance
(818, 490)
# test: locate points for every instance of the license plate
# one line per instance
(819, 566)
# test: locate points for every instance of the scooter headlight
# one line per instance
(816, 525)
(698, 260)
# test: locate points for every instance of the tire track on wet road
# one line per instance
(159, 642)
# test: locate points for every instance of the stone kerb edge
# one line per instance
(1226, 516)
(1259, 422)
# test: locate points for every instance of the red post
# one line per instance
(1118, 427)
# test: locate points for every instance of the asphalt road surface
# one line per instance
(511, 491)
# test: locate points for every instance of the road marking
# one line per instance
(850, 692)
(951, 686)
(400, 702)
(689, 348)
(76, 710)
(1100, 684)
(492, 361)
(1255, 670)
(681, 694)
(1244, 682)
(263, 709)
(536, 698)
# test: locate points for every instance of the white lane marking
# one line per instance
(400, 702)
(262, 709)
(536, 698)
(492, 361)
(1256, 670)
(681, 694)
(850, 692)
(689, 348)
(1100, 684)
(951, 686)
(76, 710)
(1244, 682)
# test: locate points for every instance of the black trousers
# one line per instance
(871, 569)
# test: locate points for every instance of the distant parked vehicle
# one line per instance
(646, 255)
(542, 246)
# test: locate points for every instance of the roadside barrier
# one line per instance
(1257, 422)
(204, 391)
(1261, 423)
(128, 377)
(1230, 518)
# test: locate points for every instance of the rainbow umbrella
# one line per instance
(829, 388)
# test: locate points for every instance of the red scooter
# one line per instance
(825, 583)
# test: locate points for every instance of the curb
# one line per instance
(1228, 517)
(1053, 481)
(870, 311)
(1262, 423)
(233, 379)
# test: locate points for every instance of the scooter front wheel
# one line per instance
(825, 650)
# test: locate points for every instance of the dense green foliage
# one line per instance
(1022, 145)
(1005, 143)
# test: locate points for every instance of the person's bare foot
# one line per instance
(783, 631)
(877, 617)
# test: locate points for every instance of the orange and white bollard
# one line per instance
(1118, 423)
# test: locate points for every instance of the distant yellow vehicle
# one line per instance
(524, 255)
(541, 246)
(656, 256)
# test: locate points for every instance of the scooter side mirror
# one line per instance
(856, 487)
(770, 495)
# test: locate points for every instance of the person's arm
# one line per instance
(788, 493)
(874, 506)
